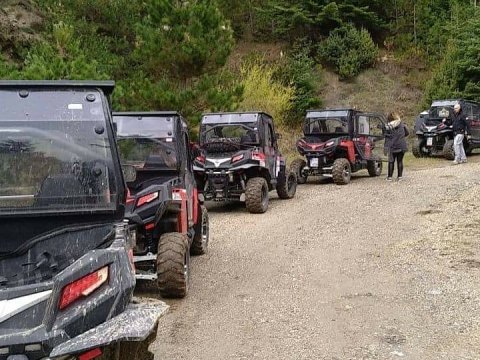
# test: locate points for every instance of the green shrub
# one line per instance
(262, 93)
(348, 51)
(300, 71)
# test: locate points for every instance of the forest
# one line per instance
(183, 55)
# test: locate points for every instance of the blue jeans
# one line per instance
(458, 148)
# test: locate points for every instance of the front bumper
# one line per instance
(317, 166)
(222, 185)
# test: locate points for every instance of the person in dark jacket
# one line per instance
(395, 144)
(460, 129)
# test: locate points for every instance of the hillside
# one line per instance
(384, 88)
(281, 56)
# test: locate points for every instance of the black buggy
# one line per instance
(163, 209)
(66, 268)
(434, 137)
(239, 160)
(339, 142)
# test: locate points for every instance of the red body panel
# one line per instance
(350, 146)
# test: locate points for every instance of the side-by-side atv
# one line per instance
(337, 143)
(66, 267)
(239, 160)
(163, 209)
(435, 137)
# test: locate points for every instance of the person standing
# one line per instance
(395, 144)
(460, 129)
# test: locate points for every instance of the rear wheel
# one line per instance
(417, 148)
(256, 195)
(130, 350)
(297, 167)
(448, 151)
(201, 237)
(468, 148)
(173, 265)
(286, 185)
(341, 171)
(374, 167)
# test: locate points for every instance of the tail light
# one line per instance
(145, 199)
(150, 226)
(201, 159)
(258, 156)
(91, 354)
(83, 287)
(237, 158)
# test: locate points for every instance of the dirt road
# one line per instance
(372, 270)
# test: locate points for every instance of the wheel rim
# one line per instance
(205, 230)
(186, 267)
(264, 196)
(290, 183)
(346, 172)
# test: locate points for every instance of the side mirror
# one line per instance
(129, 173)
(278, 136)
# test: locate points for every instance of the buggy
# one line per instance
(239, 160)
(66, 274)
(434, 137)
(163, 209)
(337, 143)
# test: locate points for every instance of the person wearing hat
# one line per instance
(395, 146)
(460, 129)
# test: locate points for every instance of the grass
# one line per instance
(411, 162)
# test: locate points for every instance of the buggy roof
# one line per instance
(232, 117)
(334, 112)
(238, 113)
(106, 86)
(148, 113)
(446, 102)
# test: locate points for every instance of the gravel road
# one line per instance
(372, 270)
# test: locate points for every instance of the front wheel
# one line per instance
(297, 167)
(341, 171)
(374, 167)
(448, 150)
(256, 195)
(173, 265)
(286, 185)
(417, 148)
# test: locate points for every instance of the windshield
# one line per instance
(146, 142)
(146, 153)
(242, 134)
(55, 152)
(144, 126)
(440, 112)
(317, 126)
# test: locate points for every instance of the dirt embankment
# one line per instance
(372, 270)
(20, 24)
